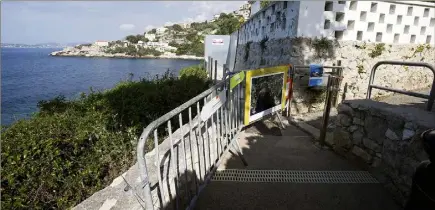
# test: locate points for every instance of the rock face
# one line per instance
(355, 56)
(388, 141)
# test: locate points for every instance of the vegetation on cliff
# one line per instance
(71, 149)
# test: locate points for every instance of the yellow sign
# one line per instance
(236, 79)
(265, 92)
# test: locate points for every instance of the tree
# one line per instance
(153, 31)
(173, 44)
(227, 24)
(133, 38)
(177, 27)
(264, 4)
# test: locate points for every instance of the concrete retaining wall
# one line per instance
(386, 138)
(357, 58)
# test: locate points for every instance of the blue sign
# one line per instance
(316, 75)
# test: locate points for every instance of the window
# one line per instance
(381, 18)
(350, 25)
(389, 28)
(379, 37)
(352, 5)
(359, 35)
(341, 2)
(273, 8)
(374, 7)
(432, 22)
(426, 12)
(339, 35)
(412, 39)
(396, 38)
(285, 5)
(392, 9)
(363, 16)
(339, 16)
(409, 13)
(328, 6)
(327, 24)
(406, 29)
(416, 19)
(272, 27)
(371, 27)
(423, 30)
(428, 39)
(399, 19)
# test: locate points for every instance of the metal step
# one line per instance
(291, 176)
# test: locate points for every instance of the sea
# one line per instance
(29, 75)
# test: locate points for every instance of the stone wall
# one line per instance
(386, 138)
(357, 58)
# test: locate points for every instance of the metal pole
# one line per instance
(215, 72)
(338, 84)
(326, 111)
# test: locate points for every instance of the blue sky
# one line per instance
(35, 22)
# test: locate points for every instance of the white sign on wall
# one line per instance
(217, 42)
(213, 105)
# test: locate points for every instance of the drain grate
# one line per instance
(289, 176)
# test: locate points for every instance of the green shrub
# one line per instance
(71, 149)
(196, 71)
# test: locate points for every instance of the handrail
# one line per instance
(154, 125)
(219, 130)
(430, 97)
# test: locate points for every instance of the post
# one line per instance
(338, 83)
(326, 111)
(215, 72)
(211, 68)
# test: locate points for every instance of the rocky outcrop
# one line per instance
(95, 51)
(386, 138)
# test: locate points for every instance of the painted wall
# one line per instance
(372, 21)
(279, 20)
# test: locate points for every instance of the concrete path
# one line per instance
(266, 147)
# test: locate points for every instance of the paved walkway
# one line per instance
(266, 148)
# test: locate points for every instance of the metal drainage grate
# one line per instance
(288, 176)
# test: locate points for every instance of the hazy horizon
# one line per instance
(85, 22)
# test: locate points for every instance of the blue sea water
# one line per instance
(31, 75)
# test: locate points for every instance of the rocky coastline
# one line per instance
(93, 53)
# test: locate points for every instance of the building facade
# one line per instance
(102, 43)
(150, 37)
(400, 22)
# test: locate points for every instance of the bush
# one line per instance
(71, 149)
(197, 71)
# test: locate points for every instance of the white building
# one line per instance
(140, 43)
(150, 37)
(215, 17)
(372, 21)
(102, 43)
(160, 31)
(125, 43)
(244, 11)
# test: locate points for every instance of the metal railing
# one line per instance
(430, 97)
(192, 153)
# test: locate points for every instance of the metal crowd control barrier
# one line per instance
(196, 148)
(430, 97)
